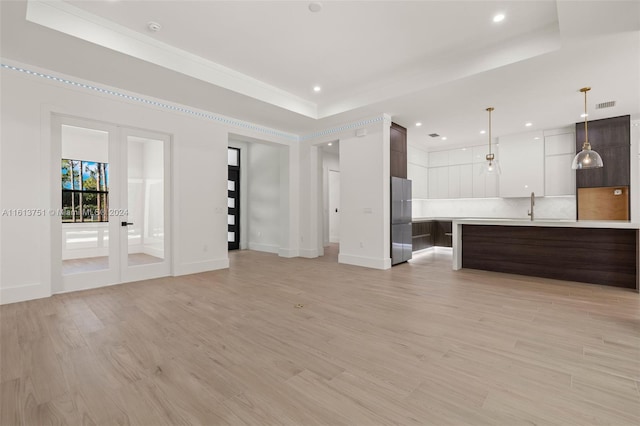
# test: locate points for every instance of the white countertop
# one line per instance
(564, 223)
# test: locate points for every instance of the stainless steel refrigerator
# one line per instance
(401, 246)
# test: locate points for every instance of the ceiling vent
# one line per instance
(606, 105)
(434, 135)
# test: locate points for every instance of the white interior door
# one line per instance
(144, 225)
(334, 206)
(113, 217)
(90, 186)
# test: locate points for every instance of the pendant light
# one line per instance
(587, 158)
(490, 166)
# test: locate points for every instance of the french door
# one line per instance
(114, 213)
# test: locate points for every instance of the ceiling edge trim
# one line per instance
(150, 102)
(68, 19)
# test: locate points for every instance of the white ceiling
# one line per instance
(440, 63)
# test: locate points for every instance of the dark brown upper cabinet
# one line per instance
(611, 138)
(398, 151)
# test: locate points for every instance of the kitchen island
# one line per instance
(598, 252)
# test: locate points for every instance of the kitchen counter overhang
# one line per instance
(598, 252)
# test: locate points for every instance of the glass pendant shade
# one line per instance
(490, 168)
(587, 159)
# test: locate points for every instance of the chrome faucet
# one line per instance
(533, 203)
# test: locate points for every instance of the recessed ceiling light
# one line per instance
(444, 138)
(528, 124)
(482, 132)
(536, 138)
(330, 143)
(317, 89)
(499, 17)
(418, 124)
(315, 6)
(583, 115)
(154, 26)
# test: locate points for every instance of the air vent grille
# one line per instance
(606, 104)
(434, 135)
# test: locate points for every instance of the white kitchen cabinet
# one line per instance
(522, 164)
(460, 156)
(484, 186)
(438, 158)
(466, 180)
(491, 186)
(564, 143)
(559, 177)
(479, 153)
(439, 182)
(419, 176)
(454, 181)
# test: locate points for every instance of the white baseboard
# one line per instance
(269, 248)
(309, 253)
(197, 267)
(23, 293)
(367, 262)
(284, 252)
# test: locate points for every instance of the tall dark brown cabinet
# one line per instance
(603, 193)
(398, 151)
(611, 138)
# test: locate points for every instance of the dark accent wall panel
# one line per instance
(398, 151)
(611, 138)
(590, 255)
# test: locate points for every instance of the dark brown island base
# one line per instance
(594, 252)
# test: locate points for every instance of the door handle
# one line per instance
(336, 210)
(126, 223)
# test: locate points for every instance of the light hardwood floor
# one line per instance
(418, 344)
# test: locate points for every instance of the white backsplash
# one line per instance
(545, 208)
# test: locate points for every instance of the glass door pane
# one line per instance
(145, 232)
(85, 188)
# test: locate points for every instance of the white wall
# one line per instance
(364, 198)
(198, 156)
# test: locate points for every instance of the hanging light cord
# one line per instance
(586, 144)
(490, 156)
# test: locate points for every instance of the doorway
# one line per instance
(114, 215)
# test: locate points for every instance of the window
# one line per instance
(85, 191)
